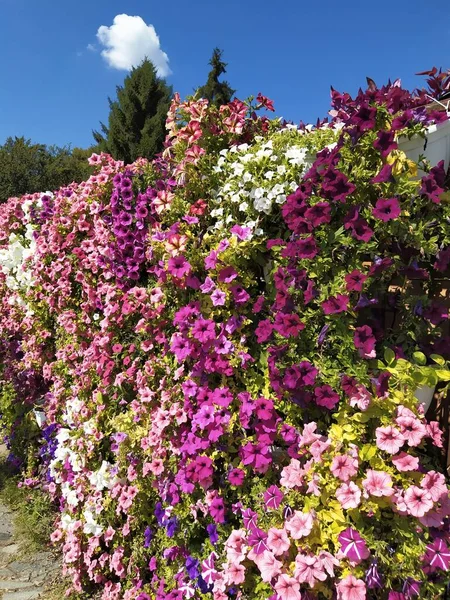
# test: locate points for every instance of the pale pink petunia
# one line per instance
(268, 565)
(300, 524)
(435, 484)
(287, 588)
(351, 588)
(389, 439)
(278, 541)
(328, 562)
(405, 462)
(418, 501)
(344, 467)
(292, 475)
(412, 429)
(349, 495)
(309, 569)
(235, 574)
(378, 483)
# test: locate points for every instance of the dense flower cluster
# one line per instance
(222, 349)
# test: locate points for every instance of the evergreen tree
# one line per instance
(217, 92)
(136, 124)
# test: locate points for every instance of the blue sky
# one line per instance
(54, 89)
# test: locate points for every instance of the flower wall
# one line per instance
(198, 366)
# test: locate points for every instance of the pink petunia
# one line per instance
(389, 439)
(412, 430)
(309, 569)
(287, 588)
(418, 501)
(300, 524)
(405, 462)
(349, 495)
(344, 467)
(292, 475)
(351, 588)
(278, 541)
(378, 483)
(435, 484)
(268, 565)
(235, 574)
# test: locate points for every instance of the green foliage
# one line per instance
(136, 125)
(217, 92)
(26, 167)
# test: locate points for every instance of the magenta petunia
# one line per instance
(364, 341)
(273, 497)
(353, 546)
(437, 555)
(387, 209)
(335, 304)
(354, 281)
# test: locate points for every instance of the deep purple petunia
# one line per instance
(318, 214)
(373, 577)
(307, 248)
(385, 142)
(212, 532)
(384, 176)
(433, 183)
(353, 545)
(326, 396)
(442, 259)
(322, 335)
(386, 209)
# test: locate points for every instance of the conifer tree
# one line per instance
(136, 124)
(217, 92)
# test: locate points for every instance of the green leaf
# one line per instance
(389, 356)
(420, 358)
(443, 375)
(438, 359)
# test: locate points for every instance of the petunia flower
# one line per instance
(268, 565)
(418, 501)
(353, 546)
(364, 341)
(300, 524)
(437, 556)
(354, 281)
(309, 569)
(273, 497)
(351, 588)
(389, 439)
(349, 495)
(405, 462)
(378, 483)
(335, 304)
(386, 209)
(326, 396)
(287, 588)
(277, 541)
(344, 467)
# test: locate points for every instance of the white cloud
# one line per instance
(128, 41)
(91, 48)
